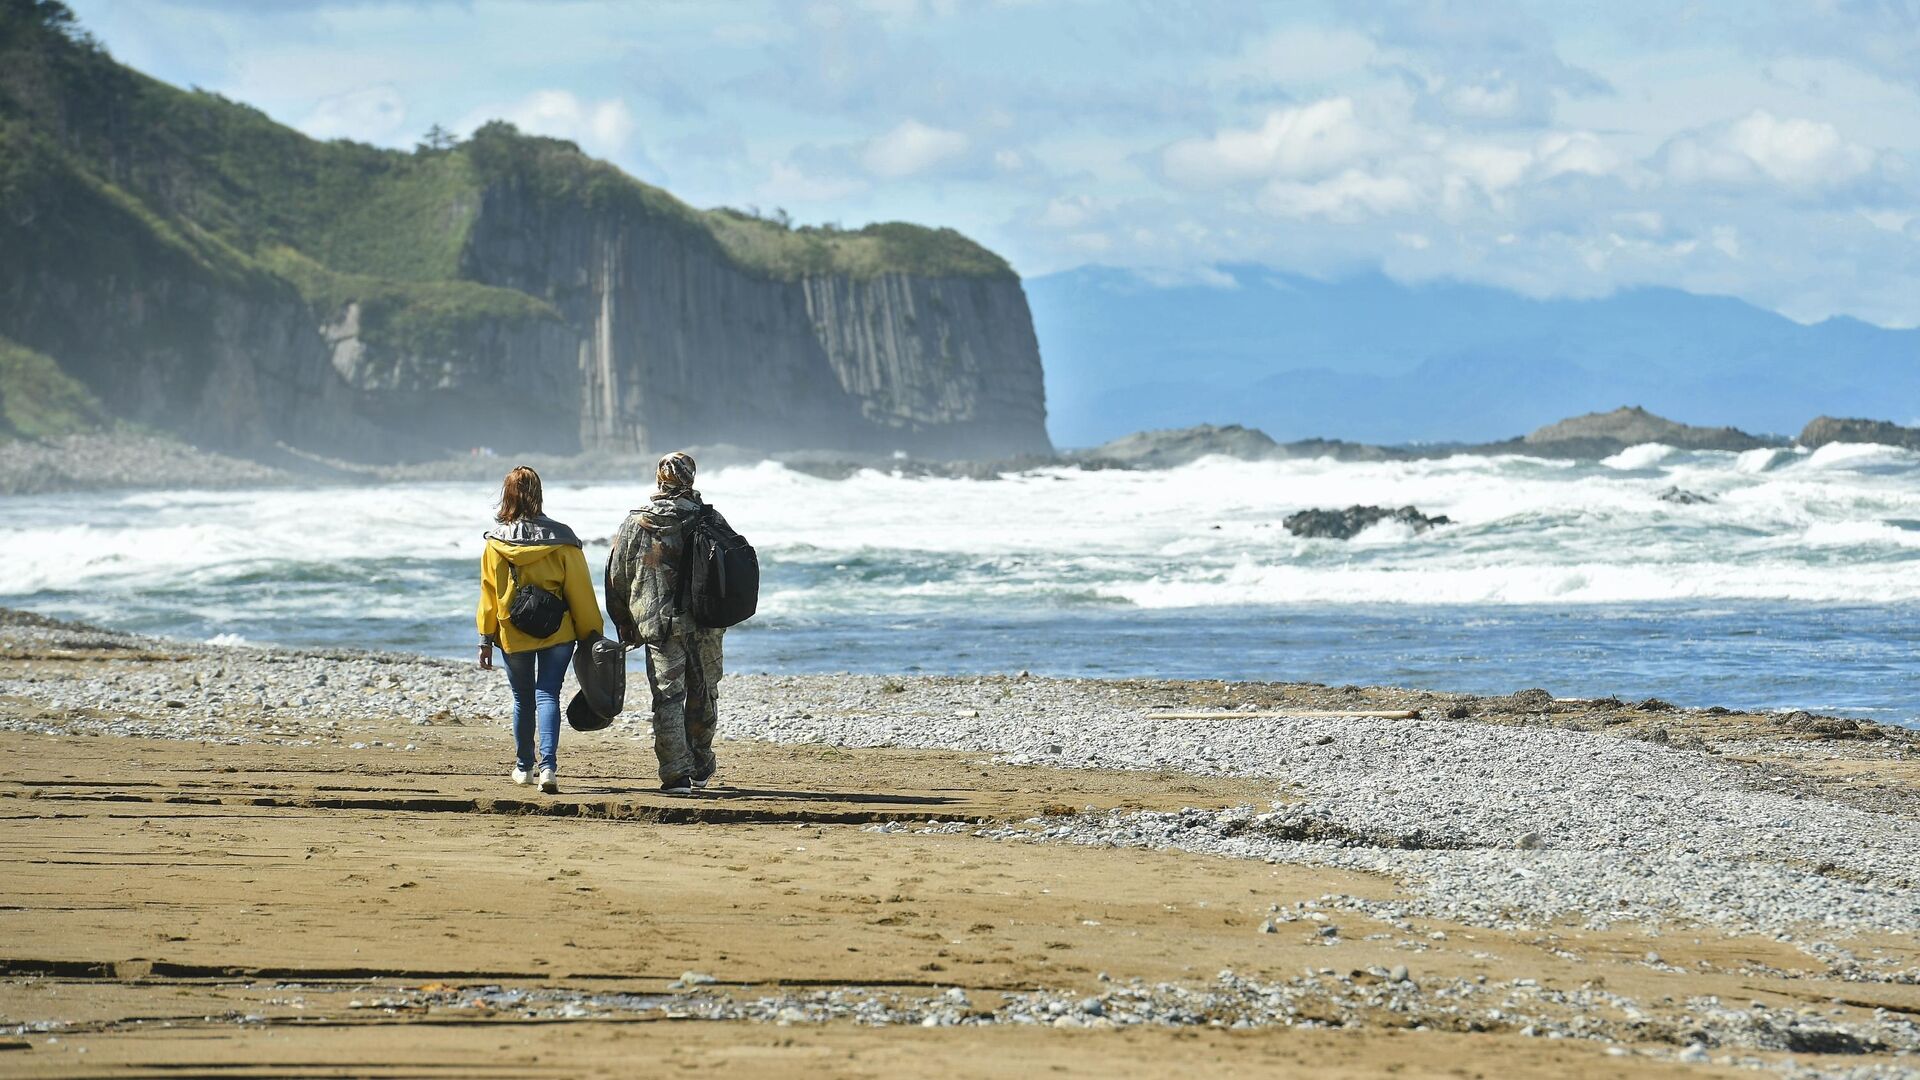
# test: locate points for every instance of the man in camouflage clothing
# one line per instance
(648, 600)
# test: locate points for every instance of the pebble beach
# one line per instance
(1520, 815)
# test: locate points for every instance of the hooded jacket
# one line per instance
(644, 571)
(545, 554)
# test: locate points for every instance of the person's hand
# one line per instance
(486, 656)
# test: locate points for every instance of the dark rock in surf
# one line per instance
(1348, 523)
(1682, 497)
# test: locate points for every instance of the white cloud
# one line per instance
(1580, 152)
(373, 114)
(792, 185)
(912, 147)
(1066, 212)
(1300, 54)
(1346, 198)
(1492, 167)
(1294, 143)
(1888, 220)
(1211, 277)
(1493, 98)
(1757, 147)
(603, 128)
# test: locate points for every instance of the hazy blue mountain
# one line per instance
(1373, 360)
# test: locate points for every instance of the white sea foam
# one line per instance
(1849, 534)
(1789, 527)
(1860, 455)
(1762, 459)
(1639, 456)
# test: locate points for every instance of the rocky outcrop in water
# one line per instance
(1164, 449)
(1828, 429)
(1587, 438)
(1351, 522)
(1602, 434)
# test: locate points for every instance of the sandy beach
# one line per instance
(274, 862)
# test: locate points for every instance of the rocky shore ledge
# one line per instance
(110, 460)
(1624, 873)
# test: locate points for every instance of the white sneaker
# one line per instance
(522, 776)
(701, 782)
(547, 783)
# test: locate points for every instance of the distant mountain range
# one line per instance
(1373, 360)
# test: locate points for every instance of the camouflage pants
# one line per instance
(685, 675)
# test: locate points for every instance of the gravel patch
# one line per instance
(1496, 825)
(1710, 1030)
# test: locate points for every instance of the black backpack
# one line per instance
(533, 610)
(723, 573)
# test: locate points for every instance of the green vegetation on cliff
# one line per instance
(38, 400)
(557, 170)
(419, 318)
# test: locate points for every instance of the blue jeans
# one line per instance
(535, 679)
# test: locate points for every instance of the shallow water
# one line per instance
(1798, 586)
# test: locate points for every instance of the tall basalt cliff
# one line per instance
(949, 362)
(681, 344)
(200, 268)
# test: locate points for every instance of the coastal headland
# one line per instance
(284, 862)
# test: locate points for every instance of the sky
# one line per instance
(1759, 149)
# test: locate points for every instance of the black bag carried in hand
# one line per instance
(724, 572)
(600, 667)
(533, 610)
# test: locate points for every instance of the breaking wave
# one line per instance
(1831, 526)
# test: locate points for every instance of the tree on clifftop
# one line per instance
(44, 16)
(437, 140)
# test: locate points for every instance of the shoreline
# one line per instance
(983, 854)
(1787, 714)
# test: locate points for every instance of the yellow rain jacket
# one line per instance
(547, 555)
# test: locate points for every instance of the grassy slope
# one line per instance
(383, 213)
(38, 400)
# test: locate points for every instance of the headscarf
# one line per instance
(675, 475)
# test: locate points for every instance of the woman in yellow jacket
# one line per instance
(528, 550)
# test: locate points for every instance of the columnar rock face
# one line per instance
(947, 364)
(678, 344)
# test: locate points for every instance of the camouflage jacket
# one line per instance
(645, 593)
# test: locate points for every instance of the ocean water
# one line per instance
(1798, 586)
